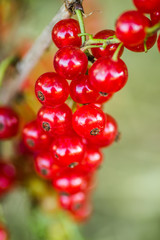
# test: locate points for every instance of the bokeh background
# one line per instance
(127, 197)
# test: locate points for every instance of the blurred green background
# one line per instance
(127, 198)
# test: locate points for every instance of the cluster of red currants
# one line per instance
(66, 142)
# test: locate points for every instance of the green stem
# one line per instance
(116, 53)
(103, 41)
(81, 24)
(107, 41)
(153, 29)
(145, 46)
(74, 107)
(83, 49)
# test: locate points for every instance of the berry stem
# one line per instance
(74, 107)
(115, 55)
(81, 24)
(103, 41)
(83, 34)
(107, 41)
(153, 29)
(90, 46)
(145, 46)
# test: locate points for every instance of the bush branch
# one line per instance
(23, 68)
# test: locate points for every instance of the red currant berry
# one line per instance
(65, 33)
(155, 17)
(51, 89)
(110, 49)
(107, 75)
(3, 233)
(81, 91)
(98, 105)
(131, 28)
(149, 44)
(7, 177)
(109, 134)
(88, 121)
(158, 43)
(34, 138)
(9, 123)
(71, 181)
(103, 97)
(70, 62)
(92, 159)
(68, 150)
(147, 6)
(72, 202)
(55, 120)
(45, 166)
(83, 213)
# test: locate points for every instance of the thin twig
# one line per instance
(13, 85)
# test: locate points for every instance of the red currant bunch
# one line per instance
(67, 135)
(71, 126)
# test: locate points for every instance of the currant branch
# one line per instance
(22, 69)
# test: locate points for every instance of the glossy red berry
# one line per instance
(110, 49)
(131, 28)
(51, 89)
(9, 123)
(103, 97)
(55, 120)
(65, 33)
(81, 90)
(83, 213)
(92, 159)
(88, 121)
(70, 62)
(3, 233)
(68, 150)
(158, 43)
(147, 6)
(107, 75)
(45, 166)
(108, 135)
(155, 17)
(7, 177)
(72, 202)
(149, 44)
(71, 181)
(99, 105)
(34, 138)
